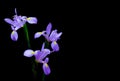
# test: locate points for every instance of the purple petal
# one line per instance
(14, 36)
(15, 11)
(29, 53)
(46, 69)
(53, 35)
(37, 52)
(55, 46)
(44, 53)
(38, 34)
(18, 21)
(9, 21)
(37, 55)
(58, 36)
(32, 20)
(48, 29)
(43, 45)
(24, 18)
(12, 27)
(46, 60)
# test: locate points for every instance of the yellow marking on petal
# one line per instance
(55, 42)
(28, 18)
(40, 32)
(13, 32)
(33, 52)
(46, 64)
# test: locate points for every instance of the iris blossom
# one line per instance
(51, 36)
(40, 57)
(18, 22)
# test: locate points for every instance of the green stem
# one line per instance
(46, 44)
(34, 64)
(27, 35)
(43, 78)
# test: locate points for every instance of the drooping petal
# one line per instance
(48, 29)
(55, 46)
(38, 34)
(8, 20)
(46, 69)
(32, 20)
(46, 60)
(14, 36)
(29, 53)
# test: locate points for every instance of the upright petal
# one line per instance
(46, 60)
(8, 20)
(58, 36)
(14, 36)
(43, 46)
(32, 20)
(29, 53)
(53, 35)
(46, 69)
(12, 27)
(48, 29)
(38, 34)
(44, 53)
(37, 55)
(55, 46)
(15, 11)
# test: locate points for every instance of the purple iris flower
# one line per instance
(50, 36)
(18, 22)
(40, 55)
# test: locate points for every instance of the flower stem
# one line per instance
(29, 46)
(43, 77)
(27, 35)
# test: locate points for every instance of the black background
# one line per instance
(13, 65)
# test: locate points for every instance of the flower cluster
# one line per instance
(18, 22)
(41, 56)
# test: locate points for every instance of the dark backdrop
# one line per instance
(13, 65)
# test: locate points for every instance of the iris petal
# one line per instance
(58, 36)
(55, 46)
(32, 20)
(14, 36)
(44, 53)
(37, 55)
(8, 20)
(46, 60)
(53, 35)
(28, 53)
(38, 34)
(43, 45)
(48, 29)
(46, 69)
